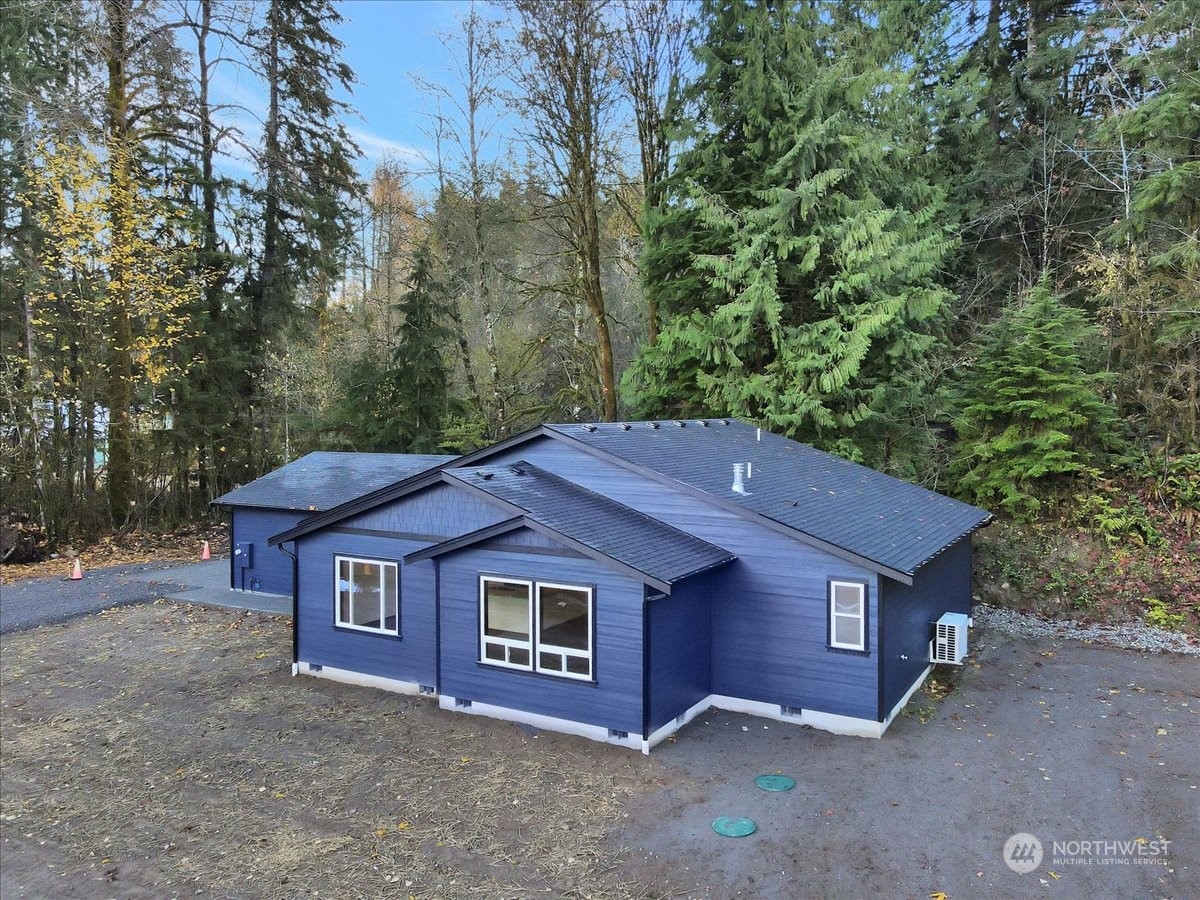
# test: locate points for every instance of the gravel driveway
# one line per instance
(1063, 740)
(47, 601)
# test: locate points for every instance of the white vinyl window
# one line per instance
(368, 595)
(847, 615)
(506, 612)
(539, 627)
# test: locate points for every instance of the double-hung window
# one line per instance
(848, 615)
(537, 626)
(368, 595)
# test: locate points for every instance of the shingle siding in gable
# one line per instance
(443, 511)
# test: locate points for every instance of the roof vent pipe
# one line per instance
(739, 486)
(749, 470)
(760, 434)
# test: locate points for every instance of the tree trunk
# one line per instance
(593, 291)
(264, 300)
(483, 298)
(120, 182)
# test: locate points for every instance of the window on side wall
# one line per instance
(848, 615)
(537, 626)
(368, 595)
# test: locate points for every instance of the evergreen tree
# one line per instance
(399, 404)
(419, 368)
(1031, 413)
(1149, 278)
(796, 252)
(307, 160)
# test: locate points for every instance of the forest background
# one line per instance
(956, 240)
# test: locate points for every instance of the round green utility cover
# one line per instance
(775, 782)
(730, 827)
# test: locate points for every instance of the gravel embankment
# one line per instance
(1128, 636)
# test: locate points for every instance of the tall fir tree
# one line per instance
(307, 160)
(795, 255)
(399, 404)
(1031, 413)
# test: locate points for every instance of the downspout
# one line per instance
(437, 626)
(232, 543)
(295, 606)
(882, 649)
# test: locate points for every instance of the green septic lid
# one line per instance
(729, 827)
(775, 782)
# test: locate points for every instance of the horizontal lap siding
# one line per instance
(271, 571)
(411, 657)
(443, 511)
(613, 701)
(941, 585)
(769, 608)
(680, 650)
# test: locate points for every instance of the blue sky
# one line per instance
(385, 42)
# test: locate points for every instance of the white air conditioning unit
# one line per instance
(949, 644)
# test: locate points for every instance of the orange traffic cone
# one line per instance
(205, 553)
(77, 571)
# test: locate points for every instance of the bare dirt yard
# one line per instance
(164, 750)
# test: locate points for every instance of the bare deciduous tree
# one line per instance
(568, 93)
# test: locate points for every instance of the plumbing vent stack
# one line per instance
(739, 486)
(749, 470)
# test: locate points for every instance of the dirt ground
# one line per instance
(165, 751)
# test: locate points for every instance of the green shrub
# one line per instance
(1159, 616)
(1031, 415)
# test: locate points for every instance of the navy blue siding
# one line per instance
(680, 652)
(441, 511)
(769, 609)
(941, 585)
(613, 701)
(410, 657)
(271, 569)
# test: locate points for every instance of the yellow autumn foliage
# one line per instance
(110, 243)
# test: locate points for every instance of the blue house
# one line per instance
(292, 493)
(616, 580)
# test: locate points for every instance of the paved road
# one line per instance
(47, 601)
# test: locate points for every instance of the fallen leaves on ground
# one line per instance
(131, 548)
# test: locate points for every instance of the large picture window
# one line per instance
(847, 615)
(537, 626)
(368, 595)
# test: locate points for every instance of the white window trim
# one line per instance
(566, 651)
(485, 639)
(861, 618)
(337, 594)
(534, 644)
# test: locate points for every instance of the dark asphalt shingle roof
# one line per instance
(323, 480)
(874, 516)
(612, 529)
